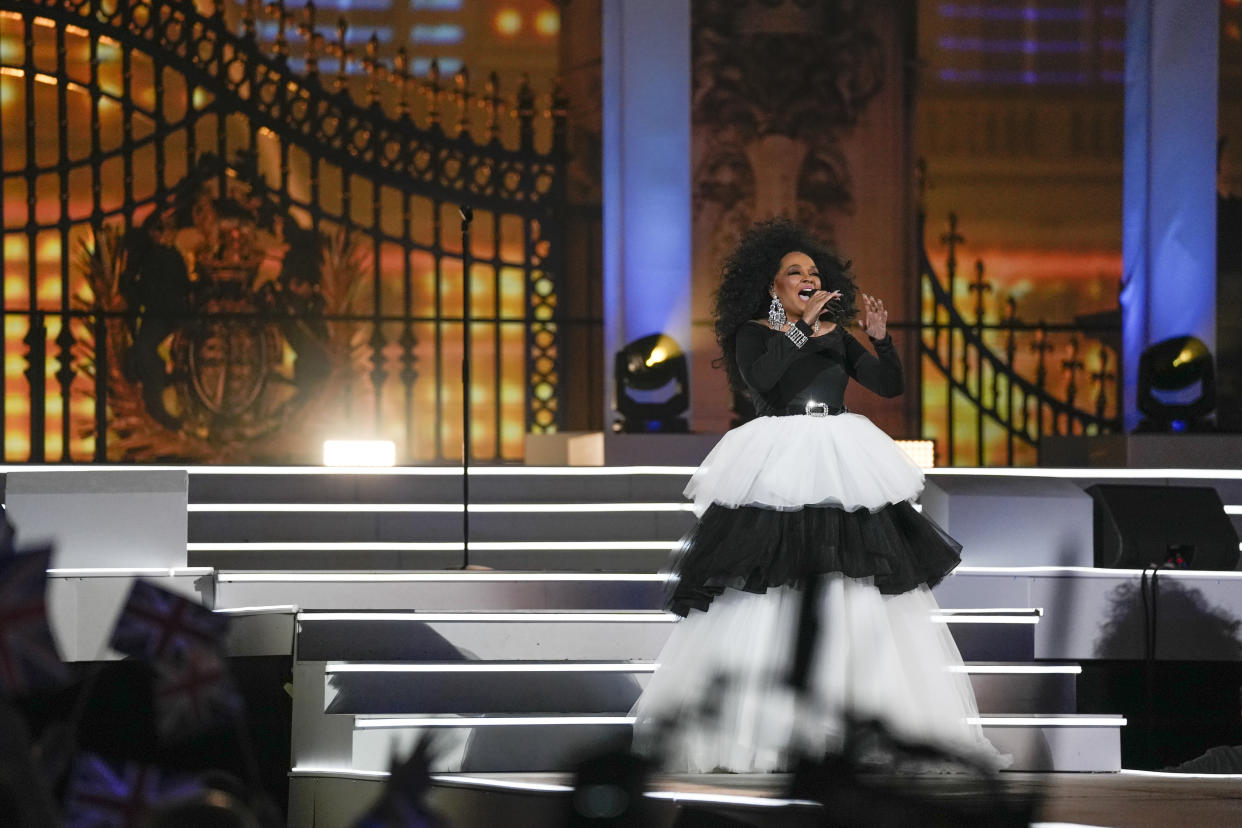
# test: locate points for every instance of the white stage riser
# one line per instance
(1044, 694)
(499, 485)
(378, 558)
(1195, 610)
(583, 693)
(456, 595)
(534, 636)
(83, 609)
(493, 748)
(1061, 749)
(468, 693)
(507, 640)
(501, 749)
(262, 633)
(436, 527)
(317, 740)
(511, 638)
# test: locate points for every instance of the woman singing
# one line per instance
(804, 488)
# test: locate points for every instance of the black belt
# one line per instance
(814, 409)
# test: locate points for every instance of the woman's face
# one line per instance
(795, 281)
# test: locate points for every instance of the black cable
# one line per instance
(467, 215)
(1150, 594)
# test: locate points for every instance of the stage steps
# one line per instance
(529, 664)
(570, 520)
(531, 689)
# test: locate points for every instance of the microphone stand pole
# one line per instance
(467, 215)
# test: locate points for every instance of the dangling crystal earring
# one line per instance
(776, 314)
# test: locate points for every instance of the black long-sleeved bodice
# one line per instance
(779, 374)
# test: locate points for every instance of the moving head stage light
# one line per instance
(652, 385)
(1176, 385)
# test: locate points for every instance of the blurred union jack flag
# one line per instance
(156, 624)
(106, 795)
(194, 691)
(28, 656)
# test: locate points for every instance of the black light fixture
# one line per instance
(652, 385)
(1176, 385)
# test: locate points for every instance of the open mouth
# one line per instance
(806, 292)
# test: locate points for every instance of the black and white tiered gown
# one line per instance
(786, 495)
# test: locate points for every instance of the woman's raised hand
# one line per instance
(815, 305)
(875, 317)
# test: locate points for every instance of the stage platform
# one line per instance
(533, 656)
(1126, 799)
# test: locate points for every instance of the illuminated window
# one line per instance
(1033, 44)
(354, 34)
(441, 33)
(507, 22)
(448, 66)
(355, 5)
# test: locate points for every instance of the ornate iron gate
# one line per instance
(1003, 378)
(319, 289)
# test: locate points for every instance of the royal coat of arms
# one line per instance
(226, 340)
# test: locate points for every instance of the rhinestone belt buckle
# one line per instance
(817, 409)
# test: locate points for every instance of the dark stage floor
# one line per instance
(1119, 800)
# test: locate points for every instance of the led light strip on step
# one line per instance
(517, 785)
(1090, 572)
(1017, 669)
(673, 796)
(437, 577)
(420, 471)
(1068, 720)
(1090, 473)
(412, 471)
(333, 667)
(1171, 775)
(275, 609)
(389, 722)
(990, 619)
(339, 773)
(987, 617)
(500, 784)
(438, 508)
(131, 572)
(991, 611)
(415, 546)
(731, 799)
(606, 471)
(621, 616)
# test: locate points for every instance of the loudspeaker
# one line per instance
(1185, 526)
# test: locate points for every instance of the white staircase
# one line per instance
(526, 666)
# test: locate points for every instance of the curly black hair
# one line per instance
(746, 279)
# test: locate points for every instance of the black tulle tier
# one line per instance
(752, 549)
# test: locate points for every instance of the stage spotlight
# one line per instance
(359, 453)
(652, 386)
(922, 452)
(1176, 385)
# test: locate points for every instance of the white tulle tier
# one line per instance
(791, 462)
(877, 656)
